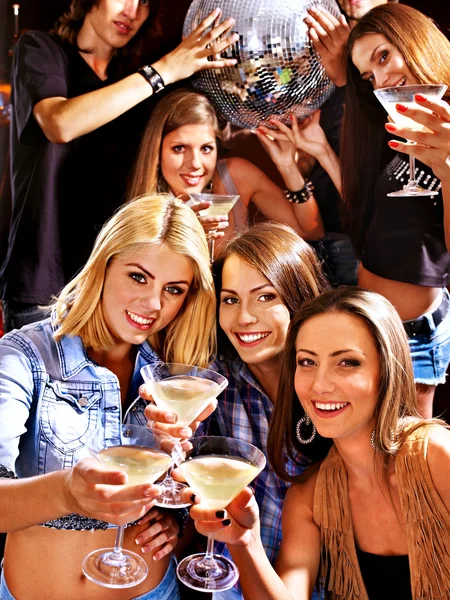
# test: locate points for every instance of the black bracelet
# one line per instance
(152, 76)
(302, 195)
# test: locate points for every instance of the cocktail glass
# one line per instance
(217, 469)
(185, 390)
(221, 204)
(389, 97)
(144, 455)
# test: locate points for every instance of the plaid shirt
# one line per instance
(243, 412)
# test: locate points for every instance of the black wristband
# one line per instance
(302, 195)
(152, 76)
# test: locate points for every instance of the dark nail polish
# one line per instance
(220, 514)
(226, 522)
(192, 498)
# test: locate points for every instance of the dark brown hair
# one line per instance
(364, 149)
(69, 24)
(396, 392)
(280, 254)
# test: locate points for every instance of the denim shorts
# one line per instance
(430, 352)
(167, 589)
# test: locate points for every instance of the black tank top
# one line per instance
(405, 238)
(385, 577)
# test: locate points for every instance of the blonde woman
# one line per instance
(179, 153)
(145, 291)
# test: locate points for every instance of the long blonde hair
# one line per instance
(180, 107)
(153, 220)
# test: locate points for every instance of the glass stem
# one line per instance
(211, 242)
(210, 549)
(117, 554)
(412, 170)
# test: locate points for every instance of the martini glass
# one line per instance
(217, 469)
(185, 390)
(221, 204)
(404, 94)
(144, 455)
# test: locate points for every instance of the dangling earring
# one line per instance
(210, 186)
(307, 421)
(372, 440)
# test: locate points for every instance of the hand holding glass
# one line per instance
(144, 455)
(221, 204)
(217, 469)
(185, 390)
(404, 94)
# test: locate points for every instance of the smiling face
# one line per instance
(189, 158)
(143, 292)
(380, 63)
(337, 375)
(113, 23)
(252, 313)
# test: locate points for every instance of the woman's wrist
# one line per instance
(292, 177)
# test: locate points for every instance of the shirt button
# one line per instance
(82, 401)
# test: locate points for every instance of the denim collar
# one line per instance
(73, 357)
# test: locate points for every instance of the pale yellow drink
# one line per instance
(185, 395)
(142, 465)
(218, 479)
(217, 210)
(399, 118)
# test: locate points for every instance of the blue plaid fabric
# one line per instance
(243, 412)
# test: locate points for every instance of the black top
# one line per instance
(405, 239)
(326, 195)
(385, 577)
(61, 193)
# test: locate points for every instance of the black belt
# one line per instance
(421, 325)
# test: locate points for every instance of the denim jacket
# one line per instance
(52, 396)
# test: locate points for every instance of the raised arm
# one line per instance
(298, 560)
(432, 147)
(257, 187)
(64, 119)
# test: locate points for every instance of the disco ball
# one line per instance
(278, 71)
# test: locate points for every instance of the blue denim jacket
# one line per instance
(52, 396)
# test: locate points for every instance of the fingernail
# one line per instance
(192, 498)
(420, 98)
(137, 541)
(220, 514)
(390, 127)
(401, 107)
(144, 549)
(393, 144)
(252, 489)
(171, 417)
(185, 432)
(226, 522)
(148, 492)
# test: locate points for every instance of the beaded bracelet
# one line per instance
(152, 76)
(302, 195)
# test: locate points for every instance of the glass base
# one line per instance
(171, 496)
(218, 574)
(102, 568)
(412, 189)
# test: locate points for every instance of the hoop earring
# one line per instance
(307, 421)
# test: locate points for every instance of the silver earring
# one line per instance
(372, 440)
(307, 421)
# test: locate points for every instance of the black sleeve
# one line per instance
(39, 71)
(326, 195)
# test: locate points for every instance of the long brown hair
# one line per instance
(180, 107)
(396, 413)
(364, 149)
(69, 24)
(280, 254)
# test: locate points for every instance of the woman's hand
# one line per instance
(166, 420)
(234, 526)
(212, 224)
(329, 37)
(278, 145)
(200, 50)
(161, 533)
(432, 147)
(101, 494)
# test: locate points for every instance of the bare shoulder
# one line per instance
(438, 459)
(239, 167)
(300, 498)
